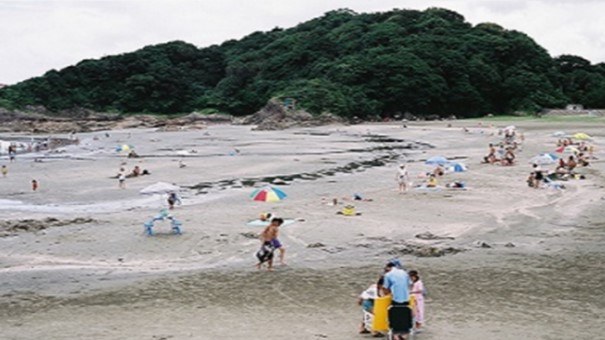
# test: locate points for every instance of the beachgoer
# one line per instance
(432, 181)
(366, 301)
(136, 171)
(182, 164)
(571, 164)
(265, 217)
(509, 157)
(417, 291)
(12, 152)
(173, 198)
(538, 176)
(4, 170)
(491, 155)
(582, 159)
(271, 233)
(439, 171)
(397, 283)
(34, 185)
(402, 177)
(122, 180)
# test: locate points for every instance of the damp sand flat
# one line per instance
(109, 277)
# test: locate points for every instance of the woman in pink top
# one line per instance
(418, 292)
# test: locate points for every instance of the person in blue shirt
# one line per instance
(397, 283)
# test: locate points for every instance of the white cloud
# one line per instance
(37, 35)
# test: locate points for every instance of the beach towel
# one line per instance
(261, 223)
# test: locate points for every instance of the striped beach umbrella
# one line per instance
(268, 194)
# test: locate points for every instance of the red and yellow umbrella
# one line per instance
(268, 194)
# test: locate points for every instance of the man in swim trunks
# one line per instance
(270, 234)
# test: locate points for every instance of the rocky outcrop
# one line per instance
(275, 116)
(39, 120)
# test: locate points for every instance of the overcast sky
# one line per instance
(39, 35)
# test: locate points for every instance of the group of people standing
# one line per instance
(406, 312)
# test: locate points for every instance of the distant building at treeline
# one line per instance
(574, 110)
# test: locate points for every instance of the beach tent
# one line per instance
(268, 194)
(544, 159)
(581, 135)
(457, 167)
(437, 160)
(160, 188)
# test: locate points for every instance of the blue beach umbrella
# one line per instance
(437, 160)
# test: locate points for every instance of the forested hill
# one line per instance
(366, 65)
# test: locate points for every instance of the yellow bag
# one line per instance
(349, 210)
(381, 316)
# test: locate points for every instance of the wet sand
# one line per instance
(105, 279)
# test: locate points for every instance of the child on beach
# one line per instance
(4, 171)
(270, 234)
(34, 185)
(173, 198)
(122, 179)
(402, 177)
(366, 301)
(417, 291)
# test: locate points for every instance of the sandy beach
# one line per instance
(511, 261)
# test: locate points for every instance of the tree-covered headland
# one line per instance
(369, 65)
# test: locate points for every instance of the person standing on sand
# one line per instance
(270, 234)
(417, 291)
(402, 177)
(122, 179)
(4, 171)
(34, 185)
(397, 283)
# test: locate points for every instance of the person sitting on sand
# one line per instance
(432, 181)
(531, 180)
(270, 234)
(133, 154)
(366, 301)
(571, 164)
(509, 158)
(136, 171)
(491, 155)
(582, 160)
(562, 165)
(538, 176)
(439, 171)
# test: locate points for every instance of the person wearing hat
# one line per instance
(397, 283)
